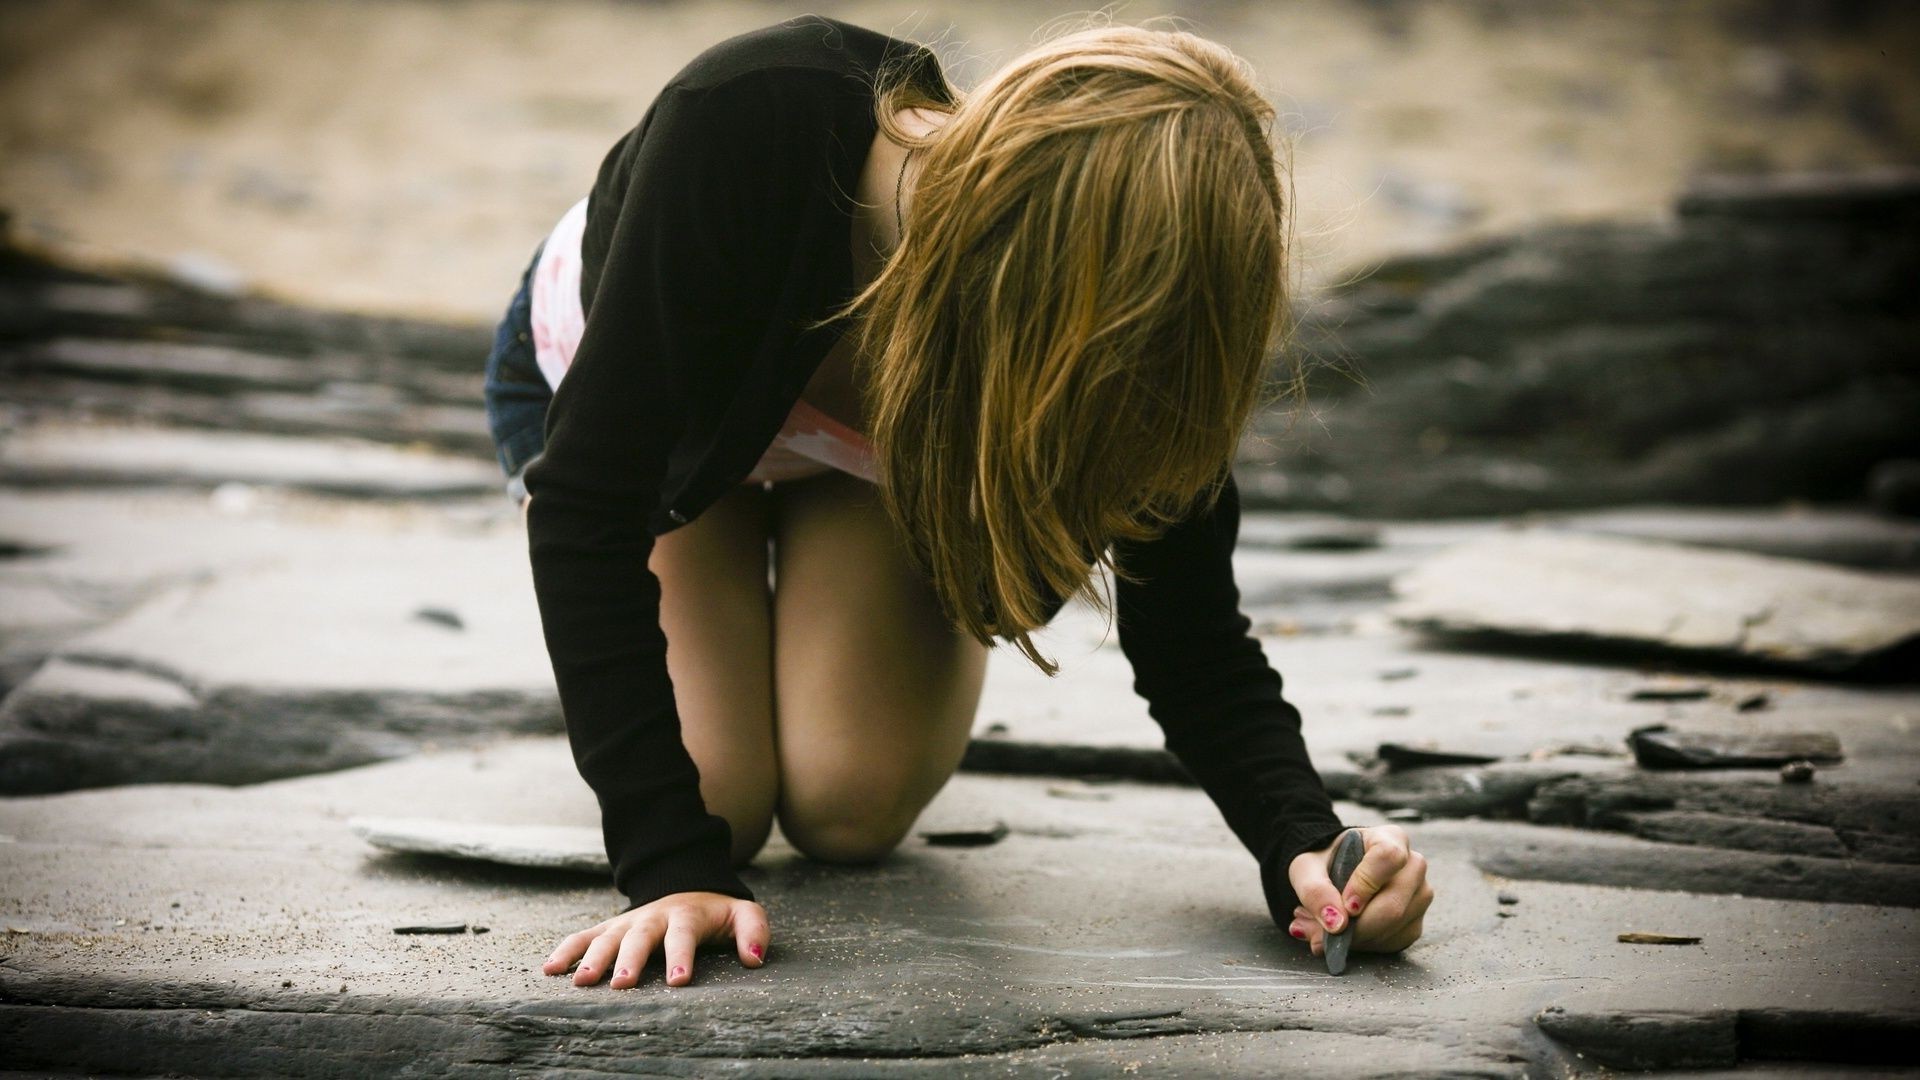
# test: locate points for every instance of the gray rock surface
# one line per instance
(1719, 603)
(933, 959)
(282, 641)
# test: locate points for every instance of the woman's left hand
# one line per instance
(1387, 896)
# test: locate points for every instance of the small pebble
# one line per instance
(967, 837)
(1669, 693)
(285, 983)
(433, 928)
(1507, 898)
(1754, 703)
(1405, 813)
(1504, 914)
(1636, 937)
(1797, 772)
(449, 619)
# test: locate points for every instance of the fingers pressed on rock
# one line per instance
(568, 951)
(682, 936)
(750, 934)
(635, 946)
(599, 955)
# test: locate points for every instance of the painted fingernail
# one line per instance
(679, 971)
(1353, 905)
(621, 974)
(754, 948)
(1330, 915)
(1297, 932)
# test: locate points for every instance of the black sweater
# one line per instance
(715, 227)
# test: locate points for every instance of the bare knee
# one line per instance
(853, 818)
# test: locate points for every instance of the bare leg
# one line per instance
(715, 611)
(874, 693)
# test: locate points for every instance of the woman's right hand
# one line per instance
(624, 943)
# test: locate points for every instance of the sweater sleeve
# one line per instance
(697, 246)
(1207, 683)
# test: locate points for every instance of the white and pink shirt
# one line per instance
(810, 442)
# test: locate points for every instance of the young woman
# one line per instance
(948, 354)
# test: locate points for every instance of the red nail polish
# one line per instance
(1353, 905)
(1297, 932)
(679, 971)
(1330, 915)
(754, 948)
(621, 974)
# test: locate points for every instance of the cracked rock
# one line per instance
(1658, 746)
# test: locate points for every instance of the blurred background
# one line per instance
(405, 156)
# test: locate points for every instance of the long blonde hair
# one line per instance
(1076, 327)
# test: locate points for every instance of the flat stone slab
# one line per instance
(201, 929)
(72, 453)
(1534, 583)
(1828, 534)
(547, 847)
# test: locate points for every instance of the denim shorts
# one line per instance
(516, 393)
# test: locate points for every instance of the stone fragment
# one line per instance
(1797, 772)
(443, 616)
(1658, 746)
(1670, 693)
(1499, 789)
(551, 847)
(1641, 937)
(1534, 584)
(1507, 898)
(1347, 853)
(1393, 674)
(432, 928)
(1404, 813)
(1078, 791)
(1402, 756)
(1755, 703)
(967, 837)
